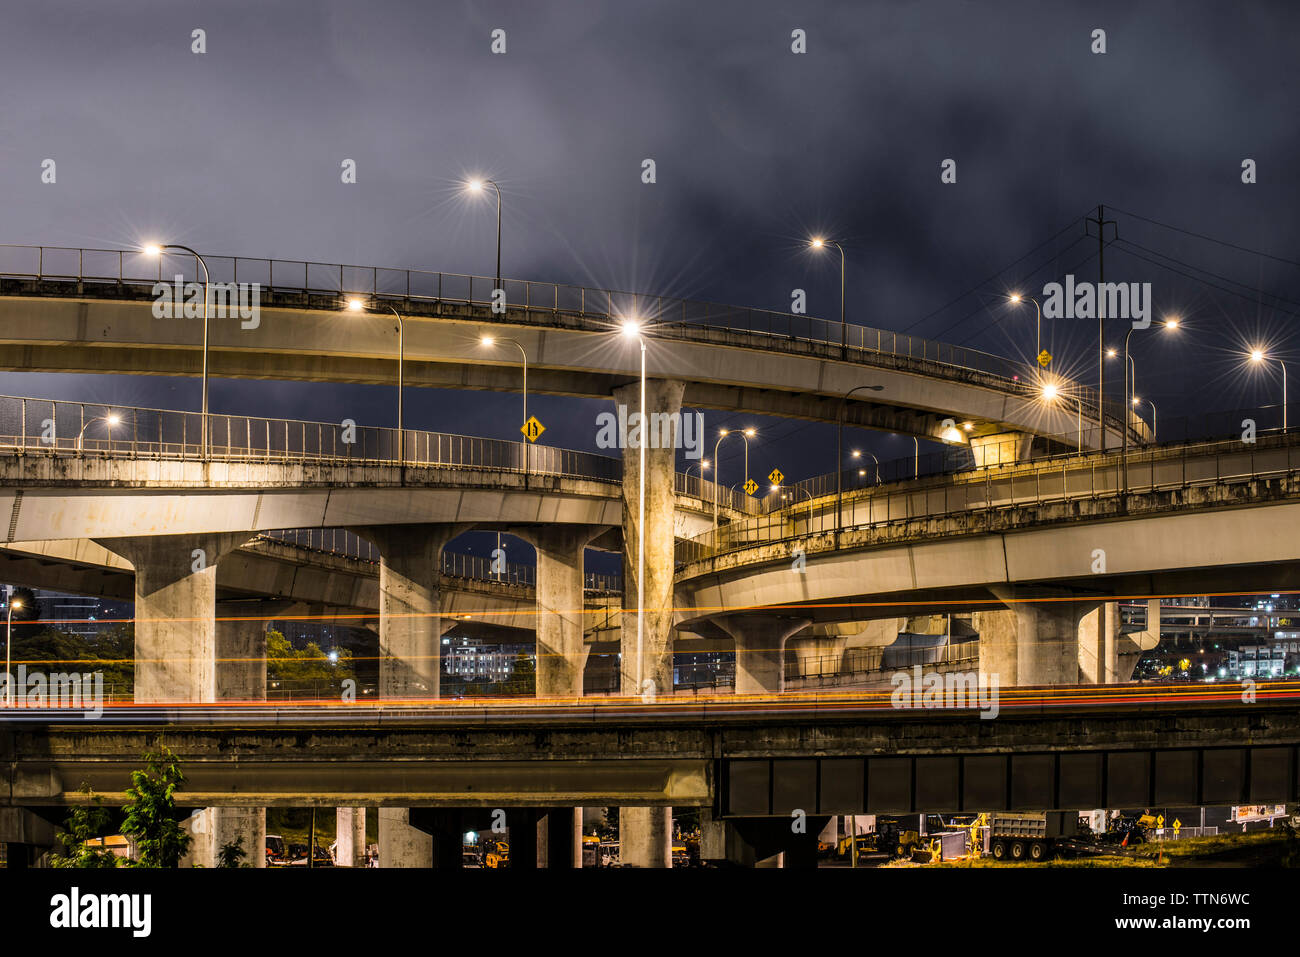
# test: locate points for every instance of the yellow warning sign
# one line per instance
(751, 486)
(776, 476)
(1160, 820)
(532, 429)
(1044, 358)
(1177, 824)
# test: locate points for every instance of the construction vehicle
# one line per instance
(1032, 836)
(590, 850)
(497, 854)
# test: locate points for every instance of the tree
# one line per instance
(523, 678)
(86, 823)
(306, 666)
(232, 853)
(112, 652)
(151, 808)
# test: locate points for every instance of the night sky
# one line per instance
(237, 152)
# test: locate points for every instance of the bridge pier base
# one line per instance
(645, 836)
(400, 843)
(760, 649)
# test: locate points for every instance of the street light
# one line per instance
(111, 419)
(819, 243)
(747, 434)
(1130, 385)
(839, 447)
(631, 329)
(158, 249)
(356, 304)
(489, 341)
(9, 642)
(477, 186)
(1257, 356)
(1017, 299)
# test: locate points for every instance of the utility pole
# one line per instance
(1102, 222)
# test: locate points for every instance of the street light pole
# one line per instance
(1258, 355)
(632, 329)
(356, 305)
(488, 341)
(9, 643)
(158, 250)
(717, 470)
(477, 185)
(844, 329)
(839, 449)
(1017, 298)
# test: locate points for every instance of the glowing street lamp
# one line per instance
(818, 243)
(631, 329)
(110, 420)
(9, 643)
(478, 186)
(157, 250)
(746, 434)
(489, 341)
(357, 304)
(1257, 356)
(1016, 298)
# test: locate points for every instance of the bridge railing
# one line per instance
(959, 457)
(54, 427)
(542, 302)
(994, 488)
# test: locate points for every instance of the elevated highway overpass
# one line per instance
(85, 310)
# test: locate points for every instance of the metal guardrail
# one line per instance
(880, 660)
(341, 542)
(1001, 487)
(670, 317)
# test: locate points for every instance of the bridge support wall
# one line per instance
(350, 836)
(1035, 640)
(760, 649)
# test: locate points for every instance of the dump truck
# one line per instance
(1031, 837)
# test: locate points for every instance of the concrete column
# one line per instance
(662, 398)
(645, 834)
(760, 649)
(1035, 641)
(400, 844)
(409, 630)
(559, 620)
(175, 602)
(350, 836)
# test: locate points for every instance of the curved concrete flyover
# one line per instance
(731, 359)
(53, 496)
(1202, 520)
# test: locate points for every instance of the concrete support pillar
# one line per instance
(350, 836)
(1035, 641)
(409, 627)
(656, 647)
(760, 649)
(241, 647)
(561, 653)
(645, 834)
(175, 603)
(400, 844)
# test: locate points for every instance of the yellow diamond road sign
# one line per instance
(1044, 358)
(532, 429)
(1177, 824)
(751, 486)
(1160, 821)
(776, 476)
